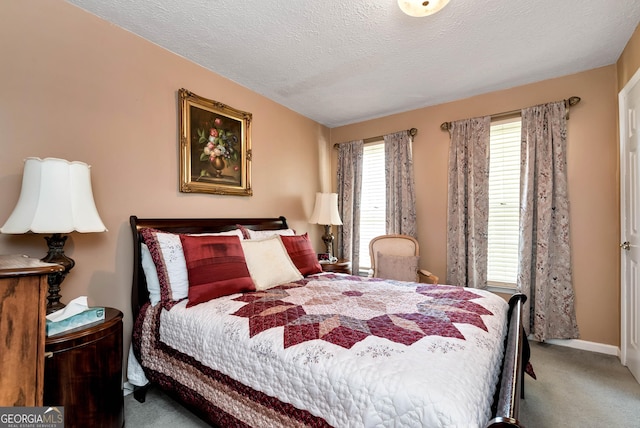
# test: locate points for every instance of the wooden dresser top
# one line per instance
(16, 265)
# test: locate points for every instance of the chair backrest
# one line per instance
(393, 245)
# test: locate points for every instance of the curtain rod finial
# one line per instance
(573, 101)
(445, 126)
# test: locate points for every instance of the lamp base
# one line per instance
(327, 238)
(56, 255)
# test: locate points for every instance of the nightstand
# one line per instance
(83, 373)
(23, 290)
(341, 266)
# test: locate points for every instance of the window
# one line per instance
(372, 200)
(504, 203)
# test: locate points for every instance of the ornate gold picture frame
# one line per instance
(215, 147)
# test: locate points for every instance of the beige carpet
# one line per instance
(579, 389)
(574, 389)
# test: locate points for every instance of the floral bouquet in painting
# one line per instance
(220, 149)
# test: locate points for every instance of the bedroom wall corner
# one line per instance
(629, 61)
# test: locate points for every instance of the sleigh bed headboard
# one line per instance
(139, 291)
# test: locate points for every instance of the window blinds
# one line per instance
(372, 200)
(504, 202)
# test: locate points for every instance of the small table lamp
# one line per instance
(55, 198)
(326, 213)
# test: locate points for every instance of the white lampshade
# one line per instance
(326, 209)
(419, 8)
(56, 197)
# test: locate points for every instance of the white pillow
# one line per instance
(173, 263)
(261, 234)
(269, 263)
(151, 274)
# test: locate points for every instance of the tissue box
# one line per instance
(89, 316)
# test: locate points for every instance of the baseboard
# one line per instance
(585, 346)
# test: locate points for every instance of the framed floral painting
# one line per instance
(215, 147)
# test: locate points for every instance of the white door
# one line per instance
(629, 102)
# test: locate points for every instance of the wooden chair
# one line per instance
(396, 257)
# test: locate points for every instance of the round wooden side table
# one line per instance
(341, 266)
(83, 373)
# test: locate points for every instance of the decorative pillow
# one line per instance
(216, 267)
(168, 257)
(244, 230)
(302, 253)
(150, 273)
(400, 268)
(268, 262)
(261, 234)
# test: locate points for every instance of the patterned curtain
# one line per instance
(544, 272)
(349, 188)
(400, 187)
(468, 202)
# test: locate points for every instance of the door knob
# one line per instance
(625, 245)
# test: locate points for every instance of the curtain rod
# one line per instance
(569, 102)
(412, 132)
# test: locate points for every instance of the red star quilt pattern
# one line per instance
(345, 310)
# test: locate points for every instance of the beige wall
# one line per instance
(592, 168)
(78, 88)
(629, 61)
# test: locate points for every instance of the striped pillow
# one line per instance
(168, 257)
(216, 267)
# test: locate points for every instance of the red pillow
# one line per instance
(302, 253)
(216, 267)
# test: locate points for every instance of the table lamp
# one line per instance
(55, 198)
(326, 213)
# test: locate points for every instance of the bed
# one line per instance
(319, 349)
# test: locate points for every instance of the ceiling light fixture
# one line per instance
(419, 8)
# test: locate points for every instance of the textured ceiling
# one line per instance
(344, 61)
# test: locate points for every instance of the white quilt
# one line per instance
(366, 353)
